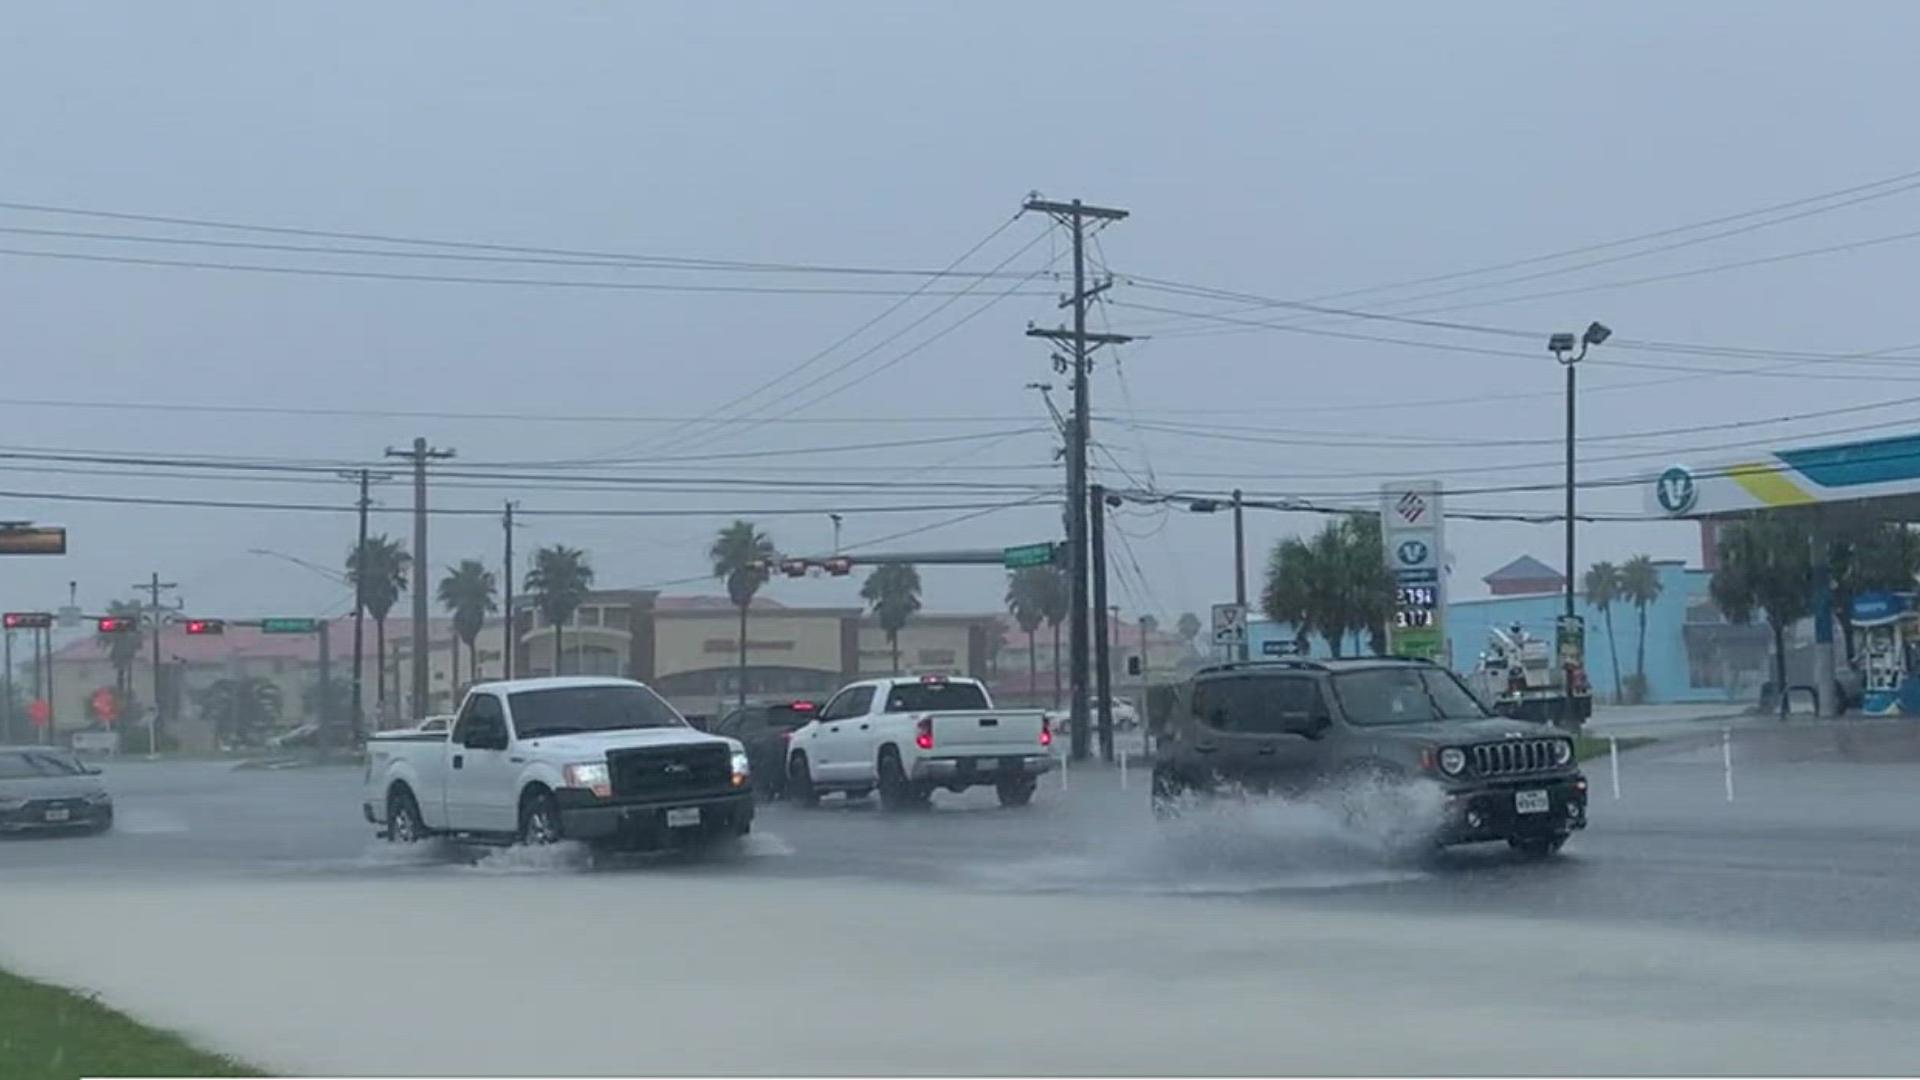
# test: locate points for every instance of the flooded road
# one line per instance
(1682, 932)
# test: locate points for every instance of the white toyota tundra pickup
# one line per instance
(606, 761)
(909, 736)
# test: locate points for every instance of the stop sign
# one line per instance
(39, 712)
(105, 705)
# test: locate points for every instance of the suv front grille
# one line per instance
(668, 772)
(1514, 756)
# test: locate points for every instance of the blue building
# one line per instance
(1692, 653)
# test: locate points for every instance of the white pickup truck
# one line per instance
(908, 736)
(535, 761)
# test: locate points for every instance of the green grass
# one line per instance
(1590, 746)
(47, 1033)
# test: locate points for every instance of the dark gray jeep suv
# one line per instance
(1305, 727)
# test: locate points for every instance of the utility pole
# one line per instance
(365, 477)
(1240, 564)
(420, 455)
(509, 633)
(154, 587)
(1103, 657)
(1074, 216)
(39, 688)
(6, 727)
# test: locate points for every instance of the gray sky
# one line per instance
(1287, 151)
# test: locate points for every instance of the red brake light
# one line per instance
(923, 733)
(1046, 732)
(786, 735)
(802, 706)
(931, 679)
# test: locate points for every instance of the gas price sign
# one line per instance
(1414, 606)
(1413, 529)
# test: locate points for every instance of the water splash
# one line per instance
(1363, 833)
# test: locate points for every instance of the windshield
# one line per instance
(936, 697)
(1404, 696)
(27, 765)
(573, 709)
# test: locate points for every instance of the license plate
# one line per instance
(1531, 802)
(59, 815)
(683, 817)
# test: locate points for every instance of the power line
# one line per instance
(459, 279)
(1657, 234)
(841, 341)
(788, 395)
(489, 511)
(610, 258)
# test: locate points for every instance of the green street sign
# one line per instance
(289, 626)
(1029, 555)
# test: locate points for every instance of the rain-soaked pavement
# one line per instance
(1685, 931)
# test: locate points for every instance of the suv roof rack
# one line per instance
(1264, 662)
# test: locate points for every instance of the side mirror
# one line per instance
(92, 770)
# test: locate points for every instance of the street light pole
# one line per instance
(1561, 346)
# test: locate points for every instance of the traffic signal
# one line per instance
(28, 620)
(206, 626)
(117, 624)
(839, 566)
(794, 567)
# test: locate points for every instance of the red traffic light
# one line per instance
(116, 624)
(206, 626)
(839, 566)
(794, 567)
(28, 620)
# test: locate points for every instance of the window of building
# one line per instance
(588, 616)
(616, 618)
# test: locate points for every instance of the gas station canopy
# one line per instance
(1885, 472)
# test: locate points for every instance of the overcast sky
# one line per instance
(1286, 151)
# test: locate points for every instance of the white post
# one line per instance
(1613, 757)
(1726, 755)
(1064, 759)
(1123, 768)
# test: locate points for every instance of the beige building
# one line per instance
(688, 648)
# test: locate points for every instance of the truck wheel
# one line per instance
(403, 818)
(1015, 791)
(896, 791)
(539, 820)
(800, 783)
(1536, 847)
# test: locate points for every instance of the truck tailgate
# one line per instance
(996, 732)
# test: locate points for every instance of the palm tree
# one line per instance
(1188, 627)
(122, 649)
(741, 557)
(467, 592)
(1640, 586)
(1764, 569)
(1026, 599)
(1603, 588)
(242, 708)
(378, 573)
(558, 581)
(1371, 583)
(1055, 600)
(892, 591)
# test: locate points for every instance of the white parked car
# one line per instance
(606, 761)
(906, 737)
(1125, 717)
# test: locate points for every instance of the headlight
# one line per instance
(99, 798)
(591, 775)
(10, 802)
(1453, 761)
(741, 768)
(1562, 752)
